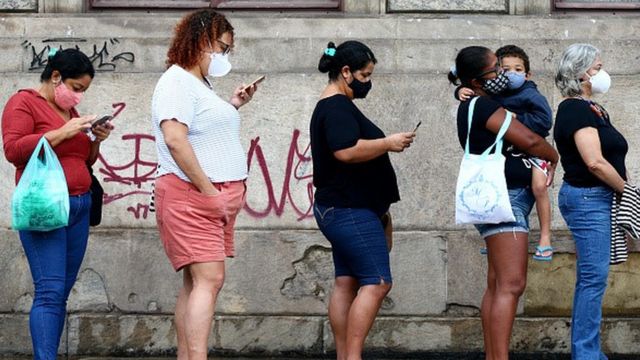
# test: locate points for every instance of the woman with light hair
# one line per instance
(592, 153)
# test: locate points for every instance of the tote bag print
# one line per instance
(41, 199)
(481, 189)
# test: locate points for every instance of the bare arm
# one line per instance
(175, 136)
(69, 130)
(588, 144)
(365, 150)
(94, 151)
(101, 132)
(525, 140)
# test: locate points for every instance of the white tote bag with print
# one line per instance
(481, 190)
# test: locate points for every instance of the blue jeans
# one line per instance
(54, 259)
(522, 201)
(358, 243)
(587, 212)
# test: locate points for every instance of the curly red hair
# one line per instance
(193, 33)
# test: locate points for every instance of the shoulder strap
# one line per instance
(503, 129)
(472, 105)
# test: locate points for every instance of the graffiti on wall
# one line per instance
(136, 175)
(296, 167)
(102, 55)
(132, 175)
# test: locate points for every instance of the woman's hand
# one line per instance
(400, 141)
(70, 129)
(103, 131)
(75, 125)
(209, 190)
(242, 95)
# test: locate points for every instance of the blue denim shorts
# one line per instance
(358, 243)
(522, 201)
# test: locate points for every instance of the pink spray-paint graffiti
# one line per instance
(143, 171)
(296, 161)
(113, 173)
(135, 173)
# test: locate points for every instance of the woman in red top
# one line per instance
(55, 256)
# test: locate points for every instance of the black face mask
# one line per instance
(360, 89)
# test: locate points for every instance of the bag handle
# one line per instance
(36, 152)
(503, 129)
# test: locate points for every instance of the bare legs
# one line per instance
(195, 307)
(506, 280)
(181, 309)
(543, 208)
(352, 310)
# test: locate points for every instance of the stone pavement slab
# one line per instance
(426, 356)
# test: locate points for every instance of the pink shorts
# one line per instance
(194, 227)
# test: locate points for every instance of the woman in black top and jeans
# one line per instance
(477, 68)
(355, 185)
(593, 154)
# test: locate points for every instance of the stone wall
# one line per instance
(20, 5)
(275, 297)
(448, 6)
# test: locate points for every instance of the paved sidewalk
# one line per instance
(372, 357)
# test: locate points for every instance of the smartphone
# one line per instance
(417, 126)
(255, 82)
(100, 120)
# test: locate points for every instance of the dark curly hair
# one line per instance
(513, 51)
(193, 33)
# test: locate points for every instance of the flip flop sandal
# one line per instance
(540, 250)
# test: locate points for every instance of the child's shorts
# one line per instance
(540, 164)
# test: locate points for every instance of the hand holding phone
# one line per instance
(100, 120)
(255, 82)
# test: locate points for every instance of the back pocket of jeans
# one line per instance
(324, 215)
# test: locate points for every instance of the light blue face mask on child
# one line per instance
(516, 79)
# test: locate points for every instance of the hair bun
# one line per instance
(52, 52)
(326, 60)
(452, 75)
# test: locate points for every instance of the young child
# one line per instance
(532, 109)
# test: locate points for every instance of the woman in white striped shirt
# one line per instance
(202, 169)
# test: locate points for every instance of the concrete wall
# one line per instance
(275, 297)
(374, 7)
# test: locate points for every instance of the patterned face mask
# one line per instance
(496, 85)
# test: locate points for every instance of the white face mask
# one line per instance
(600, 82)
(219, 65)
